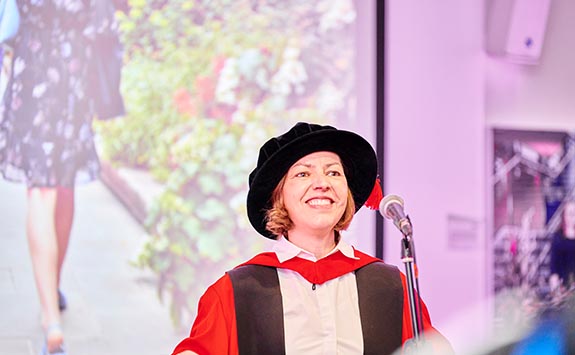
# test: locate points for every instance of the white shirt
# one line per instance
(321, 321)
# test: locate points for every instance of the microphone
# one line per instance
(391, 207)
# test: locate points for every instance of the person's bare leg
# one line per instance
(64, 219)
(43, 245)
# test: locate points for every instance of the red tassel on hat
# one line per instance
(375, 197)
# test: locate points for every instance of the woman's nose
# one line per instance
(320, 182)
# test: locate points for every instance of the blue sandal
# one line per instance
(59, 351)
(62, 302)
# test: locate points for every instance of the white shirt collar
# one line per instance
(285, 250)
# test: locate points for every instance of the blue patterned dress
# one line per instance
(46, 136)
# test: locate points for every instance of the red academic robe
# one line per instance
(214, 330)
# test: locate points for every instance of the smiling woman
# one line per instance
(313, 190)
(312, 292)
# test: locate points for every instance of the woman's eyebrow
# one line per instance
(309, 165)
(332, 164)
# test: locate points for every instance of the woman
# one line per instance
(46, 139)
(313, 293)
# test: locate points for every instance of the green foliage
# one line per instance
(205, 83)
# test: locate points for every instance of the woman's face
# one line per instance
(315, 192)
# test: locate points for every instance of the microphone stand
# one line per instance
(408, 259)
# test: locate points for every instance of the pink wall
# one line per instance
(435, 151)
(444, 95)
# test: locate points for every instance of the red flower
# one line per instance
(218, 64)
(265, 51)
(183, 102)
(222, 112)
(205, 87)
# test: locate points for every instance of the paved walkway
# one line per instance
(113, 307)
